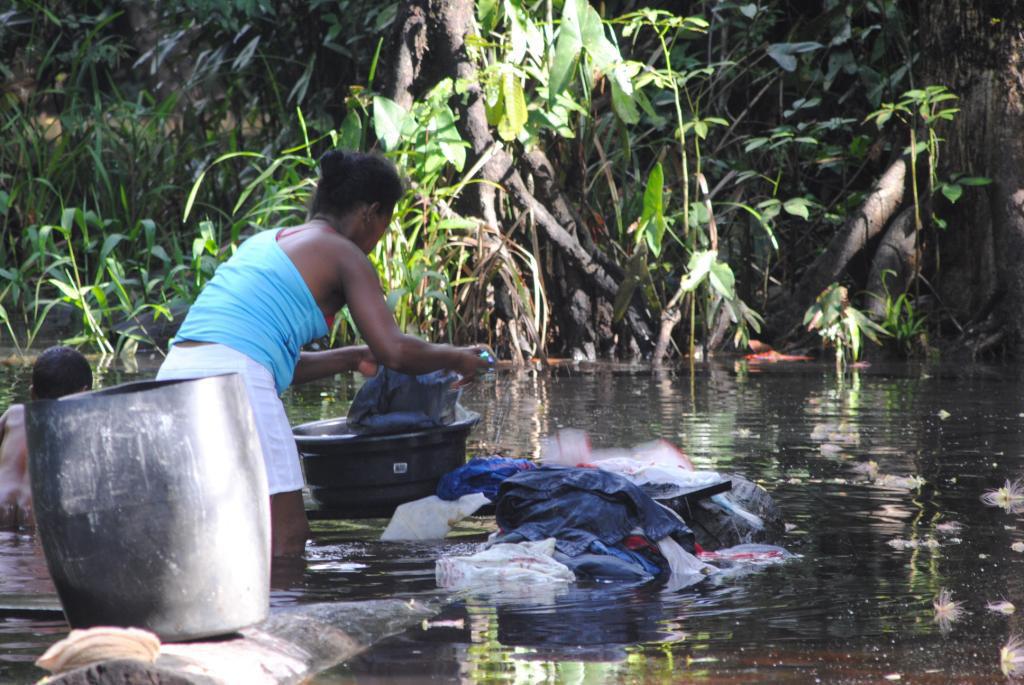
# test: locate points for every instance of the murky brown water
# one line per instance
(855, 607)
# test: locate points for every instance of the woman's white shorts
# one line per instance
(280, 456)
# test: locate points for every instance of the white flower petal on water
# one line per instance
(1001, 607)
(1011, 657)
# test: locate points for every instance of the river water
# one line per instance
(879, 476)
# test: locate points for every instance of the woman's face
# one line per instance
(375, 225)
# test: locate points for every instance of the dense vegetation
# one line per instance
(700, 160)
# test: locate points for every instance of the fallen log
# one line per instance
(288, 648)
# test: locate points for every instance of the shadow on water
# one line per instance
(879, 477)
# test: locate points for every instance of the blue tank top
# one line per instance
(258, 304)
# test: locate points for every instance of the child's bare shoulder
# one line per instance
(14, 417)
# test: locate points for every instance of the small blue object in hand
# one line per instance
(489, 358)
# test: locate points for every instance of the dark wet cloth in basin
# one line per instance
(393, 402)
(579, 507)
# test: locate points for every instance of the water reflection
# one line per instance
(880, 478)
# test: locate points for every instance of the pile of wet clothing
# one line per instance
(584, 514)
(603, 525)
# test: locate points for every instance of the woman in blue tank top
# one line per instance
(279, 291)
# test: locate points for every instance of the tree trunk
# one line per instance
(427, 45)
(977, 50)
(867, 223)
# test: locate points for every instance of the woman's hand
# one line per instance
(473, 361)
(365, 362)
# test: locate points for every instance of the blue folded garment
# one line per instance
(480, 474)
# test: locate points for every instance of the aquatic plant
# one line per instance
(1011, 657)
(841, 325)
(947, 611)
(1010, 497)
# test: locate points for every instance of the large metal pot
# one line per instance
(151, 504)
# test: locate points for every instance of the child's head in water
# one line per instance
(60, 371)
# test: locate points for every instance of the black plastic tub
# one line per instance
(367, 476)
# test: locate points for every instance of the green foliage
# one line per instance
(905, 324)
(132, 165)
(841, 325)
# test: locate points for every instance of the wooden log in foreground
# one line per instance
(289, 647)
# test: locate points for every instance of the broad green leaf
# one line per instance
(797, 206)
(516, 35)
(722, 280)
(754, 143)
(636, 269)
(487, 14)
(749, 10)
(351, 133)
(388, 119)
(621, 79)
(515, 107)
(952, 191)
(853, 328)
(645, 104)
(601, 50)
(697, 269)
(567, 48)
(447, 135)
(652, 218)
(496, 112)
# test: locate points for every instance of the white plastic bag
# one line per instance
(504, 566)
(430, 518)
